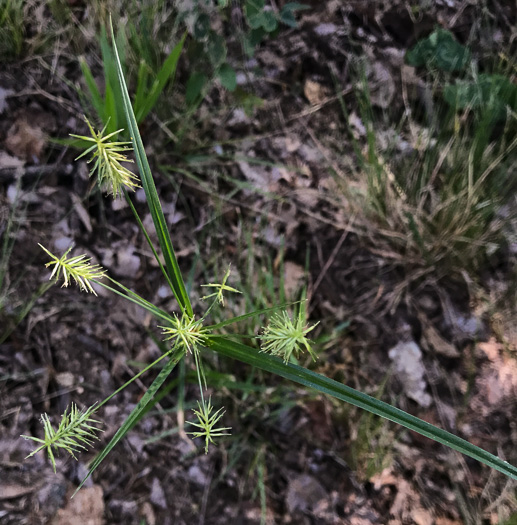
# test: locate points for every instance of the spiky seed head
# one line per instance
(221, 288)
(283, 337)
(77, 268)
(185, 331)
(108, 156)
(206, 422)
(76, 431)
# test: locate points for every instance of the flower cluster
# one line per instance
(283, 337)
(207, 421)
(76, 432)
(108, 156)
(186, 331)
(223, 287)
(77, 268)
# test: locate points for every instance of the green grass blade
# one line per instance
(148, 239)
(151, 194)
(109, 113)
(167, 71)
(243, 317)
(141, 90)
(134, 416)
(135, 298)
(345, 393)
(95, 96)
(116, 111)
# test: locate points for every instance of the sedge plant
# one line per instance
(190, 336)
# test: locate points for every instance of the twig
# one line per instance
(9, 174)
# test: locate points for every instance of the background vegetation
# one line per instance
(324, 151)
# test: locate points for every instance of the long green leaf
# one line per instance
(345, 393)
(167, 71)
(148, 239)
(151, 194)
(141, 89)
(135, 298)
(109, 115)
(95, 96)
(243, 317)
(134, 416)
(111, 78)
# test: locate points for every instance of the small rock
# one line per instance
(157, 494)
(325, 29)
(128, 264)
(303, 493)
(407, 360)
(197, 476)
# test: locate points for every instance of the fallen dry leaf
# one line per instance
(433, 338)
(7, 161)
(86, 508)
(447, 521)
(13, 490)
(421, 516)
(303, 492)
(496, 382)
(294, 276)
(314, 92)
(25, 141)
(491, 349)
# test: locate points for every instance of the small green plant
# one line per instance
(149, 85)
(12, 29)
(439, 203)
(494, 95)
(484, 93)
(188, 336)
(439, 50)
(209, 49)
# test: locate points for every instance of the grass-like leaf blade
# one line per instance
(243, 317)
(345, 393)
(135, 298)
(167, 71)
(151, 194)
(95, 96)
(134, 417)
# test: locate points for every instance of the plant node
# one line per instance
(186, 331)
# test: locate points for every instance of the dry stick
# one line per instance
(323, 103)
(9, 174)
(63, 102)
(204, 500)
(331, 258)
(459, 12)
